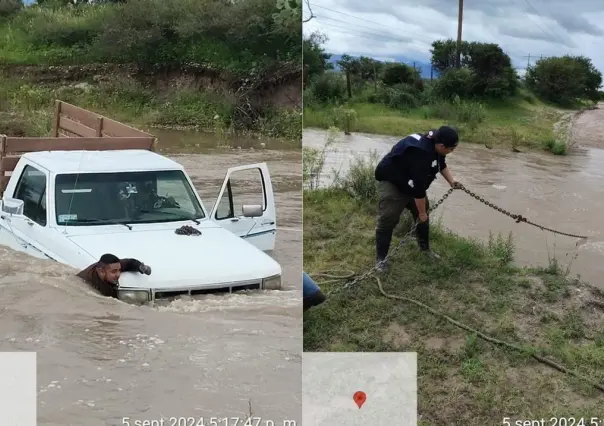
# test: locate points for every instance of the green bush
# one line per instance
(395, 74)
(282, 123)
(455, 82)
(399, 98)
(564, 80)
(359, 181)
(244, 36)
(9, 8)
(328, 88)
(43, 27)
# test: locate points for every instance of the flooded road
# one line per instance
(560, 192)
(100, 360)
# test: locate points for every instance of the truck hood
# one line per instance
(215, 257)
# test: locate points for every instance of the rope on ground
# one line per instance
(332, 277)
(337, 277)
(490, 339)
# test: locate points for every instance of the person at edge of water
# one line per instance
(404, 176)
(311, 293)
(104, 275)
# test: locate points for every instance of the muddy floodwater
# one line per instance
(559, 192)
(100, 360)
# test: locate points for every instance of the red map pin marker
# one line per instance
(359, 398)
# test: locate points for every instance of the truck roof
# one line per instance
(101, 161)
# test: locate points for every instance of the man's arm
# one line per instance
(446, 173)
(131, 265)
(419, 169)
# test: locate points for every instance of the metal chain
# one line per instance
(518, 218)
(394, 250)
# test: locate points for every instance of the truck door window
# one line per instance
(31, 188)
(243, 187)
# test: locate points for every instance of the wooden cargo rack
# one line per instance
(74, 129)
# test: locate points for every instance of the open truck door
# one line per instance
(246, 205)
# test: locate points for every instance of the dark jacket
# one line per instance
(412, 165)
(91, 276)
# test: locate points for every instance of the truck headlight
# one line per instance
(133, 296)
(272, 283)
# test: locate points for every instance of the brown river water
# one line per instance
(100, 360)
(560, 192)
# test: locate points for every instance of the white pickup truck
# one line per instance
(72, 206)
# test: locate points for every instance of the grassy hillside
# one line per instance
(208, 64)
(462, 379)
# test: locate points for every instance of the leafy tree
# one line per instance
(492, 74)
(289, 15)
(444, 54)
(399, 74)
(314, 58)
(369, 68)
(564, 80)
(350, 65)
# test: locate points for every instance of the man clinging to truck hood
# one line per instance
(104, 275)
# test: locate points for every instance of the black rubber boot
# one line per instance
(423, 235)
(382, 245)
(423, 240)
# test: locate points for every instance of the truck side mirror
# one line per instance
(252, 210)
(13, 206)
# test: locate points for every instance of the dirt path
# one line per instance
(588, 129)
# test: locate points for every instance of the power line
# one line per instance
(538, 14)
(360, 26)
(371, 36)
(381, 25)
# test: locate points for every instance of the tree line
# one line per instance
(486, 72)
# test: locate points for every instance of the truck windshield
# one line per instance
(86, 199)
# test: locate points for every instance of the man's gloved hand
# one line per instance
(145, 269)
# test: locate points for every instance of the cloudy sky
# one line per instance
(383, 29)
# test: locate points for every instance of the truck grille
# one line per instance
(192, 292)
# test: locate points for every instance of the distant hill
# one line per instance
(424, 67)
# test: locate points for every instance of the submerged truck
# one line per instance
(98, 186)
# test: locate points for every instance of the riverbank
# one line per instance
(523, 122)
(462, 379)
(28, 107)
(231, 68)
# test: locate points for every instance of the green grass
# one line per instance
(521, 122)
(240, 38)
(26, 109)
(462, 379)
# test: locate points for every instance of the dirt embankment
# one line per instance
(280, 87)
(588, 128)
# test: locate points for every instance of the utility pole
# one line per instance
(459, 25)
(528, 61)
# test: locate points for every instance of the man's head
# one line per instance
(109, 268)
(445, 139)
